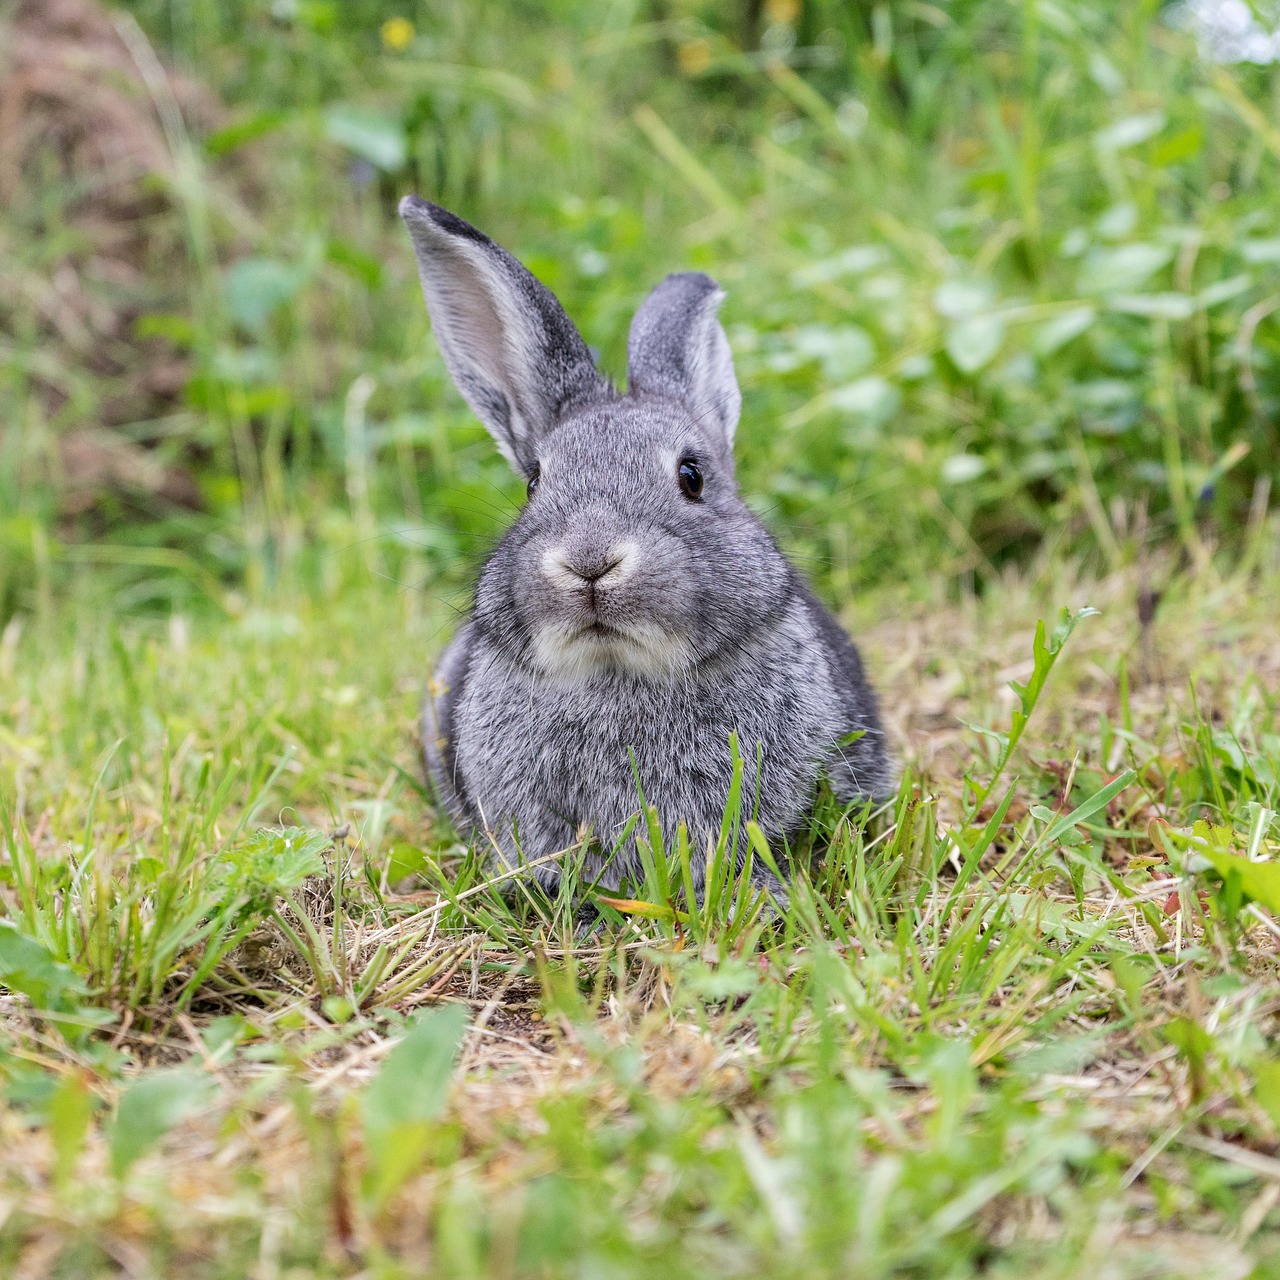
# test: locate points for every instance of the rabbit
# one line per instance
(636, 613)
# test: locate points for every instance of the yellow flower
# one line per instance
(558, 75)
(783, 12)
(397, 33)
(693, 57)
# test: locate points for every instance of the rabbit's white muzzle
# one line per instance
(597, 629)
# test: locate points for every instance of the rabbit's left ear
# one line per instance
(511, 350)
(677, 348)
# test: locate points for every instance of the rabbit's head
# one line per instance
(634, 552)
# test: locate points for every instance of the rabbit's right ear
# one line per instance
(509, 347)
(677, 348)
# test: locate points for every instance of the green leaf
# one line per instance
(1044, 653)
(377, 138)
(413, 1083)
(851, 261)
(844, 350)
(1123, 269)
(1259, 881)
(150, 1107)
(1130, 131)
(338, 1009)
(949, 1069)
(973, 342)
(236, 135)
(957, 299)
(1266, 1088)
(1260, 250)
(1159, 306)
(277, 861)
(223, 1034)
(28, 968)
(320, 16)
(1099, 800)
(638, 907)
(1129, 978)
(1223, 291)
(174, 328)
(407, 1096)
(1118, 222)
(960, 468)
(70, 1110)
(871, 397)
(1188, 1036)
(406, 860)
(361, 266)
(255, 287)
(1057, 332)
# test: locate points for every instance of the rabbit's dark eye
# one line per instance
(690, 476)
(533, 479)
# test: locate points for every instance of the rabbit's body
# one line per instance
(545, 753)
(636, 614)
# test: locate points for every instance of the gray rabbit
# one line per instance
(636, 613)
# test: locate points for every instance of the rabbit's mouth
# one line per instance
(580, 650)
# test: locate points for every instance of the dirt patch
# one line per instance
(89, 122)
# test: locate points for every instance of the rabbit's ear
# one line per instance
(509, 347)
(677, 348)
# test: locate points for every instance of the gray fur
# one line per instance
(509, 347)
(677, 348)
(617, 618)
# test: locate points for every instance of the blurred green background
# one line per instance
(1003, 277)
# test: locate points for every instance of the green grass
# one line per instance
(1001, 277)
(1005, 1029)
(1002, 295)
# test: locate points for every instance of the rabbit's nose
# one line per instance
(594, 570)
(575, 567)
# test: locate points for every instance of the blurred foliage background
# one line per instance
(1003, 276)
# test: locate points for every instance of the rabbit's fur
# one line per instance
(619, 619)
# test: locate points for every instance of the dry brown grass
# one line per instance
(86, 166)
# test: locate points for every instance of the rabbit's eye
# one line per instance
(690, 476)
(533, 479)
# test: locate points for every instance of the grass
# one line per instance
(1002, 296)
(1001, 278)
(1010, 1029)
